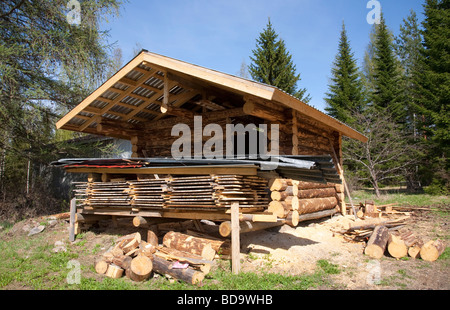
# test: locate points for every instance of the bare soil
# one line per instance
(295, 251)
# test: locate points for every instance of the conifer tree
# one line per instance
(409, 49)
(345, 95)
(387, 92)
(272, 64)
(434, 90)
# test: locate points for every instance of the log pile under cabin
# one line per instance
(163, 105)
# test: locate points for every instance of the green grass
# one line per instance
(400, 197)
(30, 263)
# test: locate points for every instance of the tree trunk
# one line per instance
(377, 242)
(189, 244)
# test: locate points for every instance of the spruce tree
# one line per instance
(272, 64)
(345, 95)
(387, 92)
(434, 90)
(409, 49)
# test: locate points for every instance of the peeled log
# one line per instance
(278, 208)
(431, 250)
(140, 268)
(189, 244)
(292, 219)
(377, 242)
(279, 184)
(188, 275)
(247, 226)
(316, 204)
(292, 202)
(396, 246)
(317, 215)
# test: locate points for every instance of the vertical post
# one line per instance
(235, 239)
(73, 211)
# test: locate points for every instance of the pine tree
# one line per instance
(272, 64)
(387, 93)
(345, 94)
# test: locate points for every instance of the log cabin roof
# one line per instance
(136, 96)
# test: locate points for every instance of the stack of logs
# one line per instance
(181, 256)
(298, 201)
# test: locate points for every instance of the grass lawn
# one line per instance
(400, 197)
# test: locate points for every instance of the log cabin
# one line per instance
(152, 93)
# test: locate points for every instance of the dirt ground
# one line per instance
(295, 251)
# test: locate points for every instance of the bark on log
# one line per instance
(431, 250)
(396, 246)
(188, 275)
(316, 204)
(140, 268)
(310, 185)
(377, 242)
(317, 193)
(189, 244)
(123, 261)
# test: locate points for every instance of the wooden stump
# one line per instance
(377, 242)
(431, 250)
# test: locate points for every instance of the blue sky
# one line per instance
(220, 34)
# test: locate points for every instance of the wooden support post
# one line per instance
(73, 211)
(235, 239)
(341, 174)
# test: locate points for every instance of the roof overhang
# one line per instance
(136, 93)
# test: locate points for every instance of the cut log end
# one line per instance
(431, 250)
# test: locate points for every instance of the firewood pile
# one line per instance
(386, 231)
(184, 257)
